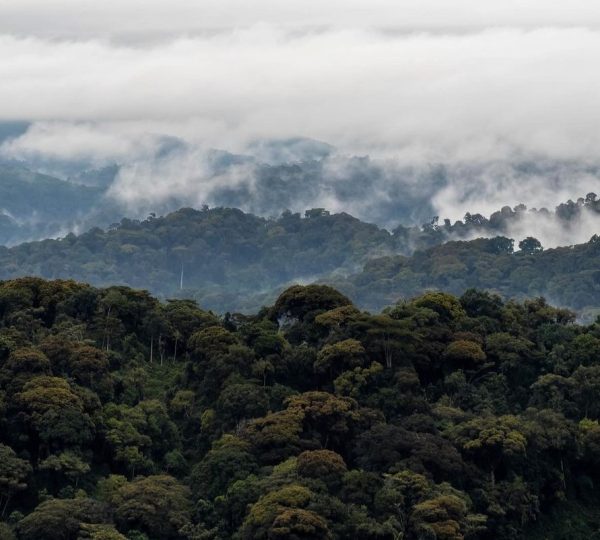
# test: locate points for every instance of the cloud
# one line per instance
(486, 187)
(142, 19)
(552, 233)
(487, 94)
(92, 143)
(450, 100)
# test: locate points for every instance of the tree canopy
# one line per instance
(441, 417)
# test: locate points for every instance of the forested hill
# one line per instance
(225, 255)
(448, 418)
(232, 261)
(34, 205)
(567, 276)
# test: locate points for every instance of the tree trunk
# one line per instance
(5, 506)
(106, 330)
(161, 350)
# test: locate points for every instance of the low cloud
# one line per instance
(481, 95)
(133, 20)
(488, 186)
(459, 108)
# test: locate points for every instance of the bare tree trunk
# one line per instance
(387, 351)
(106, 331)
(161, 350)
(5, 506)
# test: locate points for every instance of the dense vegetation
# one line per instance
(225, 255)
(232, 261)
(443, 417)
(568, 276)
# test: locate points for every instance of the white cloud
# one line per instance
(140, 19)
(479, 95)
(95, 144)
(474, 85)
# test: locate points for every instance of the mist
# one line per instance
(480, 95)
(392, 114)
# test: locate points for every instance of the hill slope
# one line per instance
(226, 255)
(568, 276)
(34, 205)
(232, 261)
(454, 418)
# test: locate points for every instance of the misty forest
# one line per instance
(299, 270)
(211, 374)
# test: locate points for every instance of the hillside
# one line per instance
(450, 418)
(567, 276)
(34, 205)
(229, 260)
(226, 256)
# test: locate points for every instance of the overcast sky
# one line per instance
(424, 77)
(132, 19)
(415, 80)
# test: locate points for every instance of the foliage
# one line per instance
(441, 417)
(228, 260)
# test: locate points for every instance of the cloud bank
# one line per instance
(475, 90)
(488, 94)
(136, 20)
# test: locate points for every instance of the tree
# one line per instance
(323, 465)
(229, 460)
(326, 418)
(283, 514)
(54, 413)
(23, 365)
(530, 245)
(66, 464)
(238, 402)
(158, 505)
(13, 472)
(140, 436)
(340, 356)
(491, 441)
(100, 532)
(465, 354)
(446, 305)
(300, 524)
(585, 390)
(6, 532)
(298, 301)
(60, 519)
(441, 517)
(275, 436)
(356, 383)
(384, 338)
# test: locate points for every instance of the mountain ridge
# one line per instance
(229, 260)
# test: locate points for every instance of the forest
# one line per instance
(228, 260)
(442, 417)
(567, 276)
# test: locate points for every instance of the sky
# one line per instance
(412, 81)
